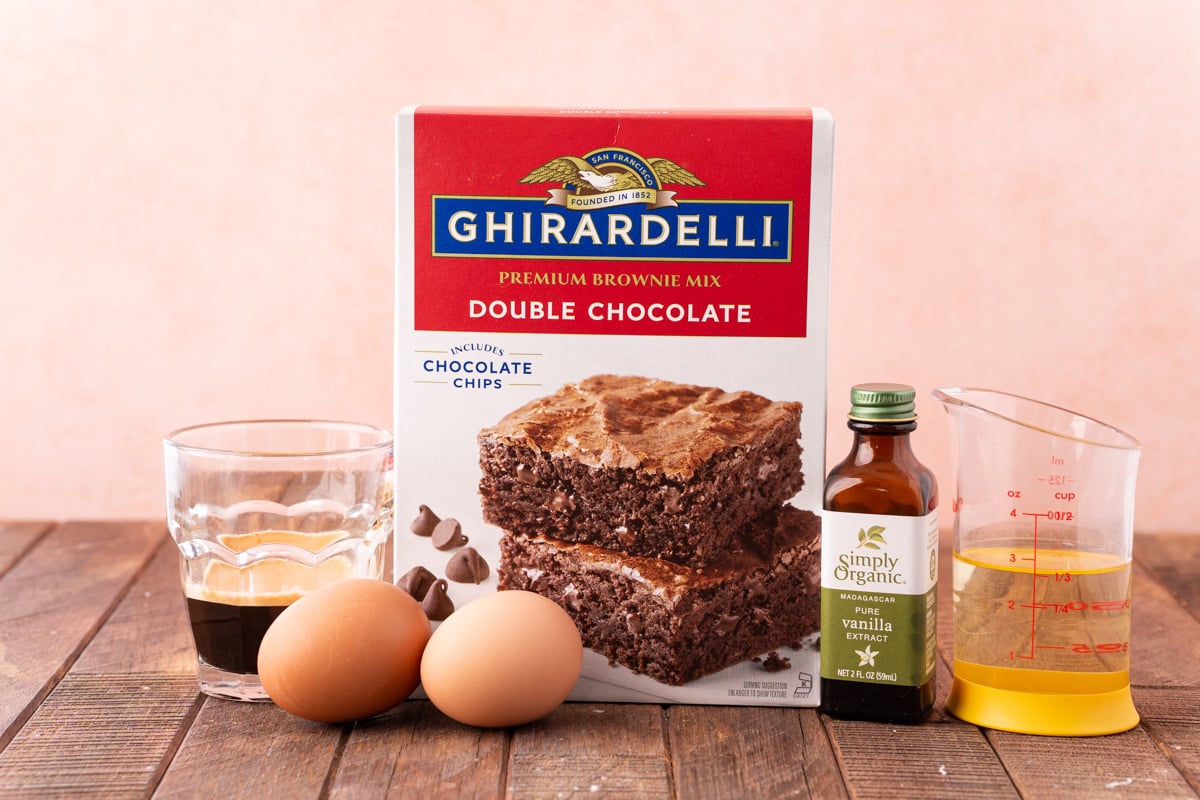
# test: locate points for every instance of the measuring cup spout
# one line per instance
(1043, 418)
(1043, 541)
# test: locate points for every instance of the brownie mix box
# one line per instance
(610, 384)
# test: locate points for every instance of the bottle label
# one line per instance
(879, 597)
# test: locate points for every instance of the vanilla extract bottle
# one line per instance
(879, 565)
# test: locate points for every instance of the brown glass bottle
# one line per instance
(882, 476)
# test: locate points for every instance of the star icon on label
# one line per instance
(866, 657)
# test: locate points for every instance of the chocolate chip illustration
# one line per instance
(467, 566)
(425, 522)
(437, 604)
(417, 582)
(448, 534)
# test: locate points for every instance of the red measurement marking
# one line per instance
(1110, 605)
(1033, 600)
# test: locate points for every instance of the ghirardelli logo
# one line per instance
(612, 204)
(612, 177)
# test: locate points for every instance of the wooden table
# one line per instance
(98, 698)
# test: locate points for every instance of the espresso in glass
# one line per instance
(263, 512)
(230, 606)
(228, 635)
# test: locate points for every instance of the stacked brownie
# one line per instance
(655, 514)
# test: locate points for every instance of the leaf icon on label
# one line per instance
(871, 537)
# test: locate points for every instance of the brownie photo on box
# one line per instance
(676, 623)
(656, 514)
(641, 465)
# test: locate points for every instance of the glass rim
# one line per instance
(384, 438)
(958, 396)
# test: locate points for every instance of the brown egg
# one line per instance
(346, 651)
(504, 659)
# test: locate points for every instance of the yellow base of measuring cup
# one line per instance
(1044, 713)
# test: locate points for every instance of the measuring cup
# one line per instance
(1043, 543)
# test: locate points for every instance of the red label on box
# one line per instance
(662, 224)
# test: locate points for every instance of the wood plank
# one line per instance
(942, 682)
(935, 760)
(54, 599)
(99, 735)
(591, 750)
(1172, 719)
(720, 752)
(1174, 561)
(17, 538)
(236, 749)
(1125, 765)
(148, 631)
(415, 751)
(1164, 648)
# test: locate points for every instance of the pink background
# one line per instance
(196, 205)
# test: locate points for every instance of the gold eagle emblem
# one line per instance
(577, 172)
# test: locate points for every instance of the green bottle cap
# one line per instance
(883, 402)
